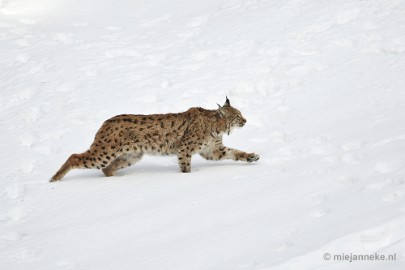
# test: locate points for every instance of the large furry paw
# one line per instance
(252, 157)
(53, 180)
(108, 173)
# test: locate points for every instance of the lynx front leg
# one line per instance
(228, 153)
(184, 158)
(184, 154)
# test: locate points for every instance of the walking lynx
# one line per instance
(124, 139)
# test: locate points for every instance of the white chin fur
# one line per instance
(232, 129)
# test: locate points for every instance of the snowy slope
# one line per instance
(321, 84)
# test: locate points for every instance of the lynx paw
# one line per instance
(108, 173)
(252, 157)
(53, 179)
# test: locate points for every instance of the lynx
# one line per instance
(124, 139)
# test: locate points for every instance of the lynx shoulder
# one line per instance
(124, 139)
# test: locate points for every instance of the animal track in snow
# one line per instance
(385, 167)
(351, 158)
(384, 184)
(14, 191)
(154, 22)
(12, 236)
(283, 109)
(24, 255)
(26, 139)
(345, 180)
(320, 199)
(15, 214)
(198, 21)
(90, 71)
(347, 16)
(21, 97)
(26, 167)
(31, 115)
(351, 146)
(377, 238)
(319, 27)
(22, 42)
(320, 212)
(65, 264)
(63, 38)
(165, 84)
(389, 140)
(322, 150)
(284, 246)
(393, 197)
(370, 26)
(22, 58)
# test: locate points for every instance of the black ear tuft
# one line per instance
(227, 102)
(221, 111)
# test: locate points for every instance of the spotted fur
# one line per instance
(124, 139)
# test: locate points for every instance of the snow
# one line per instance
(320, 83)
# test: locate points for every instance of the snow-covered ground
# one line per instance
(321, 84)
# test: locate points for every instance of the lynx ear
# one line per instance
(221, 110)
(227, 103)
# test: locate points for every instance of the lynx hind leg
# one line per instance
(90, 159)
(75, 161)
(122, 162)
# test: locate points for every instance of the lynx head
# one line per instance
(231, 115)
